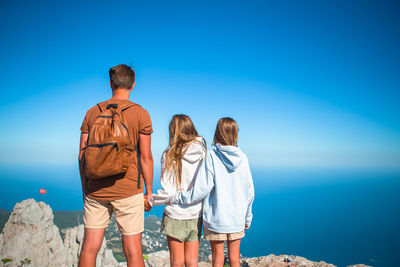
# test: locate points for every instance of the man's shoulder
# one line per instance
(136, 108)
(94, 108)
(136, 105)
(133, 105)
(98, 106)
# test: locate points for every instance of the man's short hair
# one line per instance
(122, 76)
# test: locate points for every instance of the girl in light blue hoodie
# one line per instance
(225, 186)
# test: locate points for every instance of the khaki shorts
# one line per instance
(128, 212)
(213, 236)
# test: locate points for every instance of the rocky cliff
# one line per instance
(73, 243)
(283, 261)
(30, 238)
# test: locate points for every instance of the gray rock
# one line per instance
(161, 259)
(31, 234)
(278, 261)
(157, 259)
(73, 241)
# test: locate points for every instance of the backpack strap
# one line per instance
(139, 167)
(126, 106)
(103, 106)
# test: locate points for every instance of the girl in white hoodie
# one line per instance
(179, 165)
(225, 187)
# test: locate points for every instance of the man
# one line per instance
(119, 194)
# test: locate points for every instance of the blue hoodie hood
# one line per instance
(231, 156)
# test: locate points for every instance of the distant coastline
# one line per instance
(35, 218)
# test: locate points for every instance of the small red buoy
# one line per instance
(43, 191)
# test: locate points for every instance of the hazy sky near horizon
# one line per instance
(311, 83)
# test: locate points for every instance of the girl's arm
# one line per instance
(168, 190)
(202, 186)
(249, 214)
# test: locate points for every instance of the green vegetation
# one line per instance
(68, 219)
(6, 260)
(4, 214)
(23, 262)
(145, 257)
(119, 258)
(114, 241)
(152, 223)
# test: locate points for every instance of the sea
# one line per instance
(340, 216)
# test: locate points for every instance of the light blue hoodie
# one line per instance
(225, 185)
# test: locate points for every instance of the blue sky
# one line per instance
(311, 83)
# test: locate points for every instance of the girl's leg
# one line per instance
(218, 256)
(176, 252)
(234, 252)
(191, 253)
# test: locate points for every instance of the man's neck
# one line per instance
(121, 94)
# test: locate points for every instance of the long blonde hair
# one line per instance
(181, 134)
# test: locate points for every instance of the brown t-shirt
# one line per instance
(124, 185)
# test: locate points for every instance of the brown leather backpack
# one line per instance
(109, 147)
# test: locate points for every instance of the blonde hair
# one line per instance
(226, 132)
(181, 134)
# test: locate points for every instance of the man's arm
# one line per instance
(84, 137)
(146, 161)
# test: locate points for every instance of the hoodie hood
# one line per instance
(231, 156)
(195, 151)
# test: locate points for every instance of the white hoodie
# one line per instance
(191, 162)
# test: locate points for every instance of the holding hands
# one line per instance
(147, 206)
(162, 197)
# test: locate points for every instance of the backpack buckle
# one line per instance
(112, 106)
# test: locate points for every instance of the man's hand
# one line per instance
(246, 227)
(147, 196)
(147, 206)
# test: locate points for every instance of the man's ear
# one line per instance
(111, 85)
(133, 85)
